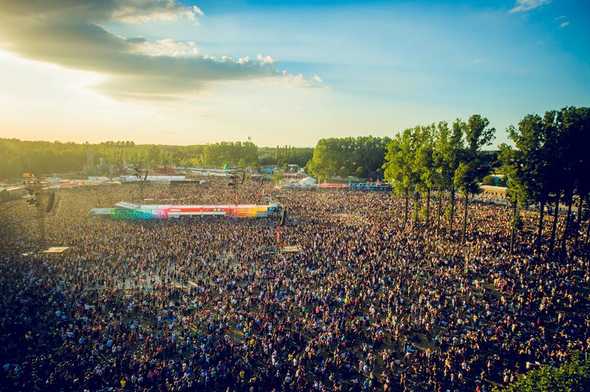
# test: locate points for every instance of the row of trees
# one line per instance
(351, 156)
(44, 158)
(550, 164)
(439, 158)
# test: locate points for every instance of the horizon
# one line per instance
(197, 72)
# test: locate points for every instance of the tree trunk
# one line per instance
(439, 212)
(514, 223)
(554, 225)
(416, 208)
(541, 222)
(578, 225)
(568, 219)
(452, 215)
(406, 197)
(427, 206)
(466, 207)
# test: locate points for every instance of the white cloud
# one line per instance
(167, 47)
(264, 59)
(299, 80)
(528, 5)
(563, 21)
(71, 33)
(141, 11)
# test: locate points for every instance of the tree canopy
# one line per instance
(350, 156)
(549, 163)
(435, 157)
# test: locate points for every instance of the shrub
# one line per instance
(572, 376)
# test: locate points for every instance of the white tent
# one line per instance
(307, 181)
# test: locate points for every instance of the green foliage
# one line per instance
(400, 163)
(549, 162)
(465, 178)
(360, 157)
(447, 150)
(284, 155)
(471, 170)
(424, 163)
(550, 155)
(45, 158)
(241, 154)
(573, 376)
(436, 157)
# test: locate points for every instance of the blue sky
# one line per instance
(372, 66)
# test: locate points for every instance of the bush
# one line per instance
(572, 376)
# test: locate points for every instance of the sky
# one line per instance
(282, 72)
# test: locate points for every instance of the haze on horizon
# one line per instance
(282, 72)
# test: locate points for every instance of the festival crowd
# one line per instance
(365, 302)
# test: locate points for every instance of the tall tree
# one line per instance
(425, 164)
(447, 146)
(453, 160)
(399, 166)
(478, 134)
(512, 167)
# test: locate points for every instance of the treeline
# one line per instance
(18, 156)
(284, 155)
(111, 158)
(242, 154)
(439, 158)
(550, 164)
(351, 156)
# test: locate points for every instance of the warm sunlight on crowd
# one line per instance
(209, 304)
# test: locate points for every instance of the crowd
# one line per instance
(368, 303)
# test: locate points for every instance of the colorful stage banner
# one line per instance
(125, 210)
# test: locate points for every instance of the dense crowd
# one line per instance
(368, 303)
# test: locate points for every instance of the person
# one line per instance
(201, 304)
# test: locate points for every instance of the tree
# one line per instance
(447, 145)
(424, 164)
(359, 157)
(399, 166)
(551, 164)
(450, 147)
(512, 167)
(470, 170)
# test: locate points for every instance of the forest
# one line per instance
(111, 158)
